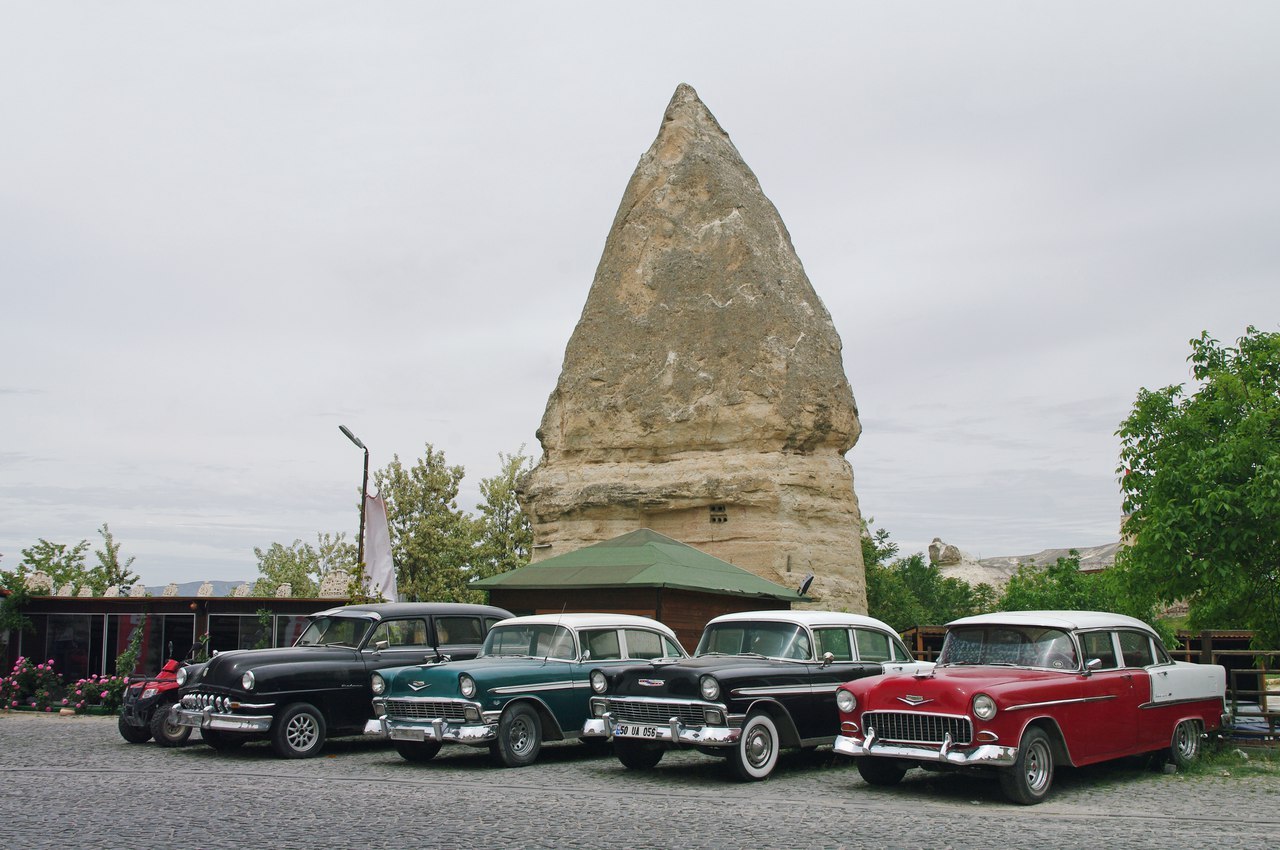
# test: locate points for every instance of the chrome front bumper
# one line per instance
(207, 718)
(444, 731)
(672, 732)
(986, 755)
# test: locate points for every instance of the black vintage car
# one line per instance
(760, 681)
(298, 696)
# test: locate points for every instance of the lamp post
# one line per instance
(364, 488)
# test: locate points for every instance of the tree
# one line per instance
(432, 541)
(301, 565)
(911, 591)
(1200, 476)
(505, 535)
(63, 564)
(109, 570)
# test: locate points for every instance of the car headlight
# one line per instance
(599, 683)
(710, 688)
(182, 677)
(846, 701)
(984, 707)
(467, 685)
(246, 681)
(378, 683)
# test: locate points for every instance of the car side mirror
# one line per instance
(381, 645)
(828, 659)
(1091, 665)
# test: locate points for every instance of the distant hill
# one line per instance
(189, 588)
(996, 571)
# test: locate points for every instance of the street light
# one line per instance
(364, 488)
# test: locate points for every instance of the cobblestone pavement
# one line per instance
(72, 782)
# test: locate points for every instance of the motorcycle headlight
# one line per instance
(599, 683)
(246, 681)
(378, 684)
(984, 707)
(467, 685)
(709, 687)
(149, 693)
(846, 701)
(182, 677)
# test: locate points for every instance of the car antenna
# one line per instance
(559, 617)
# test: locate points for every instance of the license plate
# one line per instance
(399, 734)
(635, 730)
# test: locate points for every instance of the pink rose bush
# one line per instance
(38, 686)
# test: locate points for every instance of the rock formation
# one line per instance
(702, 393)
(944, 554)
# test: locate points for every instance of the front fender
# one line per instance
(787, 730)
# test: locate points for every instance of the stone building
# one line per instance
(702, 393)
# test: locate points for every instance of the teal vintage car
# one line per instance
(529, 684)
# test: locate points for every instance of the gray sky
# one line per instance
(225, 229)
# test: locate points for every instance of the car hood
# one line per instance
(950, 689)
(680, 678)
(441, 680)
(226, 668)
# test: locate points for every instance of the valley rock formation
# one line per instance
(702, 392)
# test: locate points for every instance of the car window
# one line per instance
(458, 630)
(1135, 649)
(671, 649)
(872, 645)
(334, 631)
(489, 623)
(767, 638)
(901, 653)
(642, 643)
(602, 644)
(835, 641)
(1098, 645)
(401, 633)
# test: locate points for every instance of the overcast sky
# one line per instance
(227, 228)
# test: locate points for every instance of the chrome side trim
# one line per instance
(775, 691)
(530, 689)
(1059, 702)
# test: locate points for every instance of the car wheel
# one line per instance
(756, 753)
(519, 736)
(1185, 746)
(1028, 781)
(637, 755)
(165, 730)
(880, 771)
(133, 734)
(298, 732)
(223, 741)
(417, 750)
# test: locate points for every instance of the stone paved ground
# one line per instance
(74, 783)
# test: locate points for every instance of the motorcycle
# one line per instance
(144, 709)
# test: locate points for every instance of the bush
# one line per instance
(31, 684)
(96, 691)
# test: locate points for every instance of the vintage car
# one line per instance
(528, 685)
(1017, 693)
(759, 681)
(297, 696)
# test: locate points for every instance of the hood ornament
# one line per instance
(912, 699)
(418, 685)
(651, 683)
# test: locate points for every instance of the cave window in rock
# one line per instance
(718, 513)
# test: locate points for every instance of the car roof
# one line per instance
(807, 618)
(1055, 619)
(382, 610)
(588, 621)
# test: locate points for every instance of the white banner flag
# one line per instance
(379, 566)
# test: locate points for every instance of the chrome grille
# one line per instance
(200, 700)
(911, 727)
(427, 709)
(656, 712)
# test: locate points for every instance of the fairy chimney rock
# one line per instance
(702, 392)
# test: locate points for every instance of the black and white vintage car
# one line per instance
(298, 696)
(759, 681)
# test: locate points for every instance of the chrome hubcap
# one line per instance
(520, 738)
(301, 732)
(759, 747)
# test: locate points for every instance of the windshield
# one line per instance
(334, 631)
(1010, 646)
(770, 640)
(543, 640)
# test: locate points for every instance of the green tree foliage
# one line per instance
(911, 591)
(1200, 474)
(432, 541)
(13, 598)
(505, 536)
(63, 564)
(109, 570)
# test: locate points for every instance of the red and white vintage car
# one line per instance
(1018, 692)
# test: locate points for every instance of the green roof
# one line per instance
(642, 558)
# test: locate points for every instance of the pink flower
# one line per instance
(104, 694)
(64, 702)
(79, 693)
(15, 702)
(48, 708)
